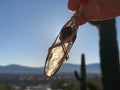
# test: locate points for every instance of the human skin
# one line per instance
(96, 9)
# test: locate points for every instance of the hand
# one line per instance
(96, 9)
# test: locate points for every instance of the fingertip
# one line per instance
(70, 5)
(73, 5)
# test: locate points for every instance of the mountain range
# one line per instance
(66, 68)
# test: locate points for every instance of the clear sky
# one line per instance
(29, 27)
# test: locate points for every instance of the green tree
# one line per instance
(58, 84)
(6, 87)
(74, 85)
(62, 84)
(93, 86)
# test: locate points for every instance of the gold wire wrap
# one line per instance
(58, 53)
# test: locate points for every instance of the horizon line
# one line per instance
(42, 66)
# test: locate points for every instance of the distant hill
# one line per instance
(19, 69)
(66, 68)
(90, 68)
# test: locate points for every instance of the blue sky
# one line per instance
(29, 27)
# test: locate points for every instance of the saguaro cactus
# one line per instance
(82, 79)
(109, 57)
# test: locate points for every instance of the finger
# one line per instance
(74, 5)
(83, 20)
